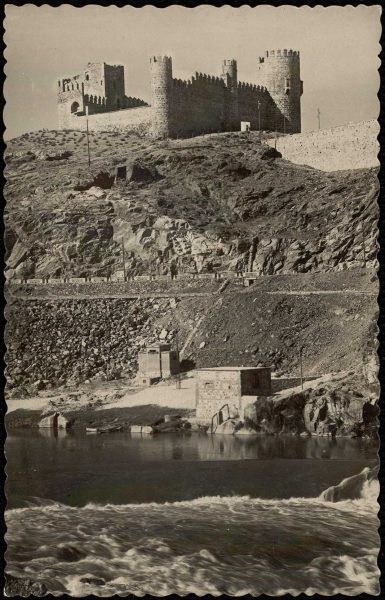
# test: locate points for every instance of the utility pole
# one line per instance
(124, 260)
(88, 138)
(363, 244)
(319, 118)
(259, 119)
(284, 121)
(178, 379)
(300, 366)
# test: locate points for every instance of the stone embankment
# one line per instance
(351, 146)
(133, 289)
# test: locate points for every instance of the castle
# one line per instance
(203, 104)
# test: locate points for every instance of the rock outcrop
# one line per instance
(235, 206)
(341, 407)
(24, 587)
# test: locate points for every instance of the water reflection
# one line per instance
(76, 468)
(228, 447)
(196, 446)
(52, 432)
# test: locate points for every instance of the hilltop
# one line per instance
(220, 201)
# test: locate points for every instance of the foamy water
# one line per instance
(232, 545)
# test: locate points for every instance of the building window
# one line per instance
(87, 77)
(209, 385)
(74, 107)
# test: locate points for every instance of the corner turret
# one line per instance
(279, 72)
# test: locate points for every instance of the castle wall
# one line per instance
(121, 119)
(352, 146)
(249, 96)
(198, 106)
(204, 104)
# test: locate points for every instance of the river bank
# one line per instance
(336, 404)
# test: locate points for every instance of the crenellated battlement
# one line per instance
(69, 84)
(292, 54)
(161, 59)
(203, 103)
(203, 79)
(251, 87)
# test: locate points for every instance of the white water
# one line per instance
(213, 545)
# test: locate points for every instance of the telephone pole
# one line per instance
(88, 138)
(259, 119)
(363, 244)
(300, 366)
(178, 379)
(319, 118)
(124, 260)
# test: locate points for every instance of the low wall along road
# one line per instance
(351, 146)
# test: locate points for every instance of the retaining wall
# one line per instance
(351, 146)
(118, 119)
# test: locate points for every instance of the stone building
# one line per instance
(157, 362)
(202, 104)
(235, 386)
(100, 88)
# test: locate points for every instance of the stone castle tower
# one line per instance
(185, 108)
(206, 104)
(100, 88)
(279, 72)
(230, 77)
(161, 95)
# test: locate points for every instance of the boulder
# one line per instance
(269, 153)
(350, 488)
(96, 192)
(20, 586)
(92, 580)
(227, 428)
(142, 173)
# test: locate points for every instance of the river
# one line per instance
(190, 513)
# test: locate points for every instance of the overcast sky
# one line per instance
(339, 53)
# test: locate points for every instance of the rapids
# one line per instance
(215, 545)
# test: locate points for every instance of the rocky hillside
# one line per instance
(331, 316)
(223, 201)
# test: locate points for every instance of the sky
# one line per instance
(339, 49)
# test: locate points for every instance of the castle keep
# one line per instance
(99, 89)
(203, 104)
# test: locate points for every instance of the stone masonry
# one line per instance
(100, 88)
(203, 104)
